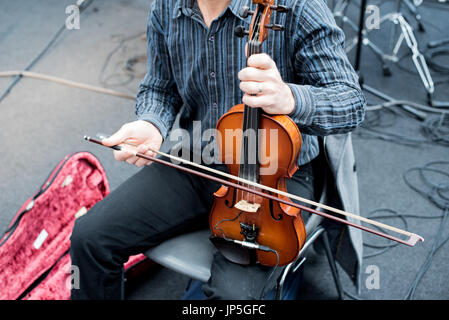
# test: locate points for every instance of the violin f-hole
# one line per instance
(226, 202)
(279, 217)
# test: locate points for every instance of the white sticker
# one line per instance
(81, 212)
(40, 239)
(68, 180)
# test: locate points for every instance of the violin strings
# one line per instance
(248, 169)
(255, 121)
(245, 137)
(245, 150)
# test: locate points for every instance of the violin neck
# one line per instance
(249, 164)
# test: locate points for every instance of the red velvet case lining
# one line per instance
(53, 213)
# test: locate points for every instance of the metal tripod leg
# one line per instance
(414, 11)
(293, 267)
(406, 36)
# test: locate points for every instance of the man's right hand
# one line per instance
(142, 134)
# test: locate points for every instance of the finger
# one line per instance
(253, 74)
(117, 138)
(122, 155)
(261, 61)
(142, 162)
(251, 87)
(146, 150)
(143, 148)
(255, 101)
(132, 160)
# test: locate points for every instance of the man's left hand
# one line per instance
(263, 86)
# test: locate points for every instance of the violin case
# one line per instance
(34, 251)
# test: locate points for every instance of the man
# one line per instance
(197, 66)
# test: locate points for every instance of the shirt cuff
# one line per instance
(156, 121)
(304, 104)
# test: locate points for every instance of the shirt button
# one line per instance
(215, 105)
(212, 74)
(211, 38)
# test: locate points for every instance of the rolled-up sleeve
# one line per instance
(158, 100)
(328, 99)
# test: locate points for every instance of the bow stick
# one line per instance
(411, 241)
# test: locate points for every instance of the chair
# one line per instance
(191, 254)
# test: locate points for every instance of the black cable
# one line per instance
(436, 245)
(436, 129)
(383, 248)
(437, 43)
(431, 54)
(375, 125)
(32, 63)
(437, 194)
(126, 64)
(437, 66)
(436, 4)
(226, 220)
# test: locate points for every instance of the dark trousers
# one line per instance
(153, 205)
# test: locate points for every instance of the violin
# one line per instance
(264, 150)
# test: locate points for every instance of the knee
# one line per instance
(82, 235)
(87, 236)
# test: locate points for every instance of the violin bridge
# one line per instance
(244, 205)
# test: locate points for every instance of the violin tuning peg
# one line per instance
(280, 8)
(244, 12)
(275, 27)
(240, 31)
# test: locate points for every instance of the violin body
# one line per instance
(275, 225)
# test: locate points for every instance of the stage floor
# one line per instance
(41, 122)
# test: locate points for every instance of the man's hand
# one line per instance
(141, 134)
(264, 88)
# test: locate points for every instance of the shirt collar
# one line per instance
(236, 5)
(182, 6)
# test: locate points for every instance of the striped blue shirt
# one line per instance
(192, 69)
